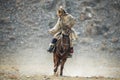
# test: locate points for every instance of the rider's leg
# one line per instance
(53, 42)
(52, 45)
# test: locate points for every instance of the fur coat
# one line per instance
(67, 20)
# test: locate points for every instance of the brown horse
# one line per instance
(61, 53)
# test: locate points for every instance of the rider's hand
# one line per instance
(51, 31)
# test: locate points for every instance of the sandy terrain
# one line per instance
(13, 73)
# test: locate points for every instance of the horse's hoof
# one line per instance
(55, 74)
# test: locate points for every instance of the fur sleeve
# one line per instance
(56, 28)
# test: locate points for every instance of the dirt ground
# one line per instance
(46, 77)
(43, 77)
(12, 73)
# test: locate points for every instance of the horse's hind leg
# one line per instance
(62, 66)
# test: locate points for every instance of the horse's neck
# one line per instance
(60, 42)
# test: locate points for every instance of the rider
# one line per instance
(65, 20)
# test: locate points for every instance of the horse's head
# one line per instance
(65, 42)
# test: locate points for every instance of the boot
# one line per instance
(51, 48)
(71, 52)
(52, 45)
(69, 55)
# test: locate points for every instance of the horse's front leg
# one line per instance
(62, 66)
(56, 64)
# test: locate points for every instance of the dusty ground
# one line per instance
(13, 73)
(44, 77)
(13, 76)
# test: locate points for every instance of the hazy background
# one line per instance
(24, 38)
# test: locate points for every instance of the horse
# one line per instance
(61, 53)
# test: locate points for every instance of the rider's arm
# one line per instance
(56, 28)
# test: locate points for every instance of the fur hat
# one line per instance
(61, 10)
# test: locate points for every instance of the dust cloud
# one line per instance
(86, 62)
